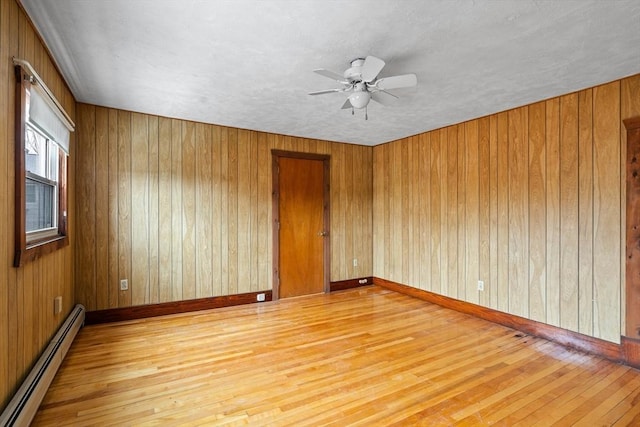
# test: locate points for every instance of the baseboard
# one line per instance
(161, 309)
(631, 351)
(341, 285)
(575, 340)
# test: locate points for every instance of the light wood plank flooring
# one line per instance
(366, 356)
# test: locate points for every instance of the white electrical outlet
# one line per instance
(57, 305)
(480, 285)
(124, 285)
(355, 262)
(260, 297)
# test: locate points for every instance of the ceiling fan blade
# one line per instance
(322, 92)
(346, 105)
(384, 98)
(330, 74)
(396, 82)
(371, 68)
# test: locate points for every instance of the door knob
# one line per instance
(323, 233)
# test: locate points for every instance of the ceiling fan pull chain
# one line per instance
(352, 111)
(366, 113)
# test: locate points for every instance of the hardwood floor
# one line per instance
(365, 356)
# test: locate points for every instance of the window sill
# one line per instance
(36, 249)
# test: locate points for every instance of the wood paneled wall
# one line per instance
(530, 201)
(27, 321)
(183, 209)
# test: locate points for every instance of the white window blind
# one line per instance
(42, 115)
(45, 111)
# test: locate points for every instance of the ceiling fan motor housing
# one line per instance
(354, 73)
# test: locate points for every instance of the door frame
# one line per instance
(275, 205)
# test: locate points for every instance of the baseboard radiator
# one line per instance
(25, 403)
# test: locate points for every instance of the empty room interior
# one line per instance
(319, 212)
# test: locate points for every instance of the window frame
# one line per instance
(27, 251)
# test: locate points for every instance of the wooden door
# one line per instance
(301, 229)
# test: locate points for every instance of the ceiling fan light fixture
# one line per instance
(359, 99)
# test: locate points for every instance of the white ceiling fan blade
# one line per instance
(346, 105)
(384, 98)
(322, 92)
(330, 74)
(396, 82)
(371, 68)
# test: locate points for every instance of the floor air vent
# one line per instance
(25, 403)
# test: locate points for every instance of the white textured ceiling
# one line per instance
(248, 63)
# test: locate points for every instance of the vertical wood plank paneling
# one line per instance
(113, 171)
(6, 384)
(552, 138)
(529, 203)
(204, 190)
(27, 321)
(607, 217)
(629, 108)
(386, 160)
(124, 204)
(264, 223)
(86, 254)
(216, 211)
(462, 197)
(253, 219)
(154, 209)
(484, 211)
(367, 179)
(585, 215)
(358, 215)
(493, 212)
(165, 261)
(434, 226)
(518, 214)
(569, 212)
(232, 191)
(337, 203)
(102, 207)
(139, 279)
(425, 206)
(243, 212)
(405, 211)
(188, 210)
(472, 225)
(348, 205)
(224, 211)
(537, 213)
(396, 211)
(503, 212)
(31, 269)
(203, 206)
(176, 211)
(378, 211)
(444, 200)
(452, 212)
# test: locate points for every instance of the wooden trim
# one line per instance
(275, 204)
(561, 336)
(162, 309)
(341, 285)
(22, 88)
(24, 252)
(631, 351)
(632, 256)
(275, 227)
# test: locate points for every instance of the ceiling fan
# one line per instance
(361, 79)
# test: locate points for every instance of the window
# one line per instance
(42, 146)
